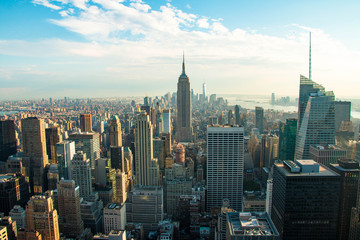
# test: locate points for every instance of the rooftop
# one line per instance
(305, 168)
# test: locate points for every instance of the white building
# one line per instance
(18, 214)
(225, 166)
(81, 173)
(114, 217)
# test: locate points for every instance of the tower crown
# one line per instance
(183, 74)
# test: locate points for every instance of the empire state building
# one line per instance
(184, 112)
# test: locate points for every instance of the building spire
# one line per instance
(183, 65)
(310, 58)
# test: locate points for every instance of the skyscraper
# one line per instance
(259, 119)
(287, 139)
(342, 113)
(7, 139)
(237, 115)
(88, 143)
(35, 157)
(115, 132)
(53, 136)
(85, 122)
(42, 217)
(68, 203)
(305, 200)
(225, 166)
(166, 116)
(147, 169)
(318, 124)
(184, 108)
(65, 152)
(81, 173)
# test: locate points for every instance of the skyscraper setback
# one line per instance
(184, 108)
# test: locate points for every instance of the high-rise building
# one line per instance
(114, 217)
(259, 119)
(147, 169)
(307, 88)
(81, 173)
(269, 190)
(237, 115)
(349, 172)
(65, 152)
(342, 113)
(287, 139)
(166, 116)
(17, 214)
(117, 157)
(7, 139)
(145, 205)
(225, 166)
(184, 109)
(14, 190)
(115, 132)
(35, 157)
(53, 136)
(327, 154)
(85, 122)
(68, 204)
(91, 213)
(88, 143)
(305, 200)
(318, 124)
(180, 154)
(120, 193)
(42, 217)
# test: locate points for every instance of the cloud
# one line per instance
(131, 41)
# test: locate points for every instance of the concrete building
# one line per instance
(89, 143)
(184, 131)
(287, 139)
(42, 217)
(68, 204)
(250, 226)
(166, 116)
(115, 135)
(92, 213)
(17, 214)
(305, 200)
(85, 123)
(114, 217)
(327, 154)
(14, 190)
(180, 154)
(259, 119)
(225, 166)
(145, 205)
(34, 157)
(53, 136)
(120, 193)
(147, 169)
(342, 113)
(81, 173)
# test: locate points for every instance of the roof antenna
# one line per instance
(310, 59)
(183, 65)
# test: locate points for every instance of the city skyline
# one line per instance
(112, 48)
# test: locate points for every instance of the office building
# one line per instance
(115, 135)
(237, 115)
(145, 205)
(184, 109)
(342, 113)
(88, 143)
(14, 190)
(7, 139)
(305, 200)
(120, 193)
(287, 139)
(65, 152)
(92, 213)
(250, 226)
(81, 173)
(85, 123)
(34, 157)
(327, 154)
(68, 204)
(10, 225)
(114, 217)
(307, 88)
(259, 119)
(117, 157)
(147, 169)
(17, 214)
(180, 154)
(42, 217)
(53, 136)
(349, 172)
(166, 116)
(318, 124)
(225, 166)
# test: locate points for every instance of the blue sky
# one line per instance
(99, 48)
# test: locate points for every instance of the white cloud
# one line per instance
(46, 3)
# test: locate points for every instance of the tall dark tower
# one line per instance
(184, 111)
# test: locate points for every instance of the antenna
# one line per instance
(310, 58)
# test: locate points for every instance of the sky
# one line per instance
(116, 48)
